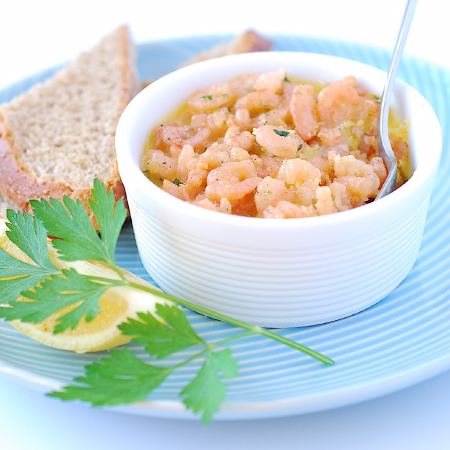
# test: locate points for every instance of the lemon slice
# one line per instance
(102, 333)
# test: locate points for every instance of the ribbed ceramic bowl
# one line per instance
(277, 272)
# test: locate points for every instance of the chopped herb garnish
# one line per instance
(207, 97)
(281, 133)
(177, 181)
(286, 79)
(300, 146)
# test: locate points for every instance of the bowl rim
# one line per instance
(129, 169)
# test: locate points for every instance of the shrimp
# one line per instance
(288, 210)
(258, 101)
(214, 156)
(216, 96)
(223, 206)
(278, 141)
(237, 138)
(324, 201)
(379, 168)
(232, 180)
(199, 139)
(339, 102)
(215, 121)
(297, 171)
(350, 166)
(272, 81)
(303, 108)
(269, 192)
(360, 189)
(178, 191)
(340, 196)
(160, 165)
(186, 162)
(172, 135)
(266, 166)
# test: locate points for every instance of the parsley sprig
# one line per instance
(34, 289)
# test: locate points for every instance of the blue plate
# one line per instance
(400, 341)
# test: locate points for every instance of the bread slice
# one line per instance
(249, 41)
(57, 137)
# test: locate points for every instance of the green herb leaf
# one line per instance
(165, 333)
(117, 379)
(286, 79)
(11, 289)
(281, 133)
(177, 181)
(16, 276)
(110, 216)
(77, 238)
(56, 293)
(206, 392)
(207, 97)
(28, 233)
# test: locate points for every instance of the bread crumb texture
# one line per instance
(63, 129)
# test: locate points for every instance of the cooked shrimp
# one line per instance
(269, 192)
(186, 162)
(350, 166)
(178, 191)
(237, 138)
(303, 109)
(278, 141)
(338, 102)
(298, 171)
(214, 97)
(175, 135)
(272, 81)
(215, 121)
(214, 156)
(379, 168)
(324, 201)
(288, 210)
(200, 139)
(223, 206)
(232, 180)
(340, 196)
(266, 166)
(259, 101)
(160, 165)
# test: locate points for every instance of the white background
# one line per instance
(41, 33)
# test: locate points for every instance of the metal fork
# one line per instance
(384, 144)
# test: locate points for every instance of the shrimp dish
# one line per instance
(271, 146)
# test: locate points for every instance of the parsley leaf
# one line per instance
(207, 97)
(117, 379)
(281, 133)
(205, 393)
(110, 216)
(77, 238)
(11, 290)
(16, 276)
(162, 337)
(177, 181)
(28, 233)
(70, 289)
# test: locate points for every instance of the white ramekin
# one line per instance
(277, 272)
